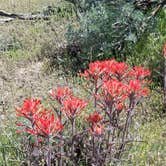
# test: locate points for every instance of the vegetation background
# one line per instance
(37, 55)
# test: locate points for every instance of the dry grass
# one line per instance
(26, 38)
(21, 44)
(24, 6)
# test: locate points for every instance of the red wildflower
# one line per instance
(107, 64)
(119, 69)
(145, 92)
(73, 106)
(40, 140)
(46, 124)
(19, 124)
(94, 72)
(31, 131)
(135, 87)
(95, 117)
(119, 106)
(60, 93)
(139, 72)
(28, 109)
(97, 129)
(114, 90)
(164, 50)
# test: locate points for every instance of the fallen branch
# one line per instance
(2, 21)
(157, 9)
(22, 16)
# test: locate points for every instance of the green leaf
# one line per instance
(131, 37)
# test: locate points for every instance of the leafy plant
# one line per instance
(110, 29)
(148, 50)
(115, 90)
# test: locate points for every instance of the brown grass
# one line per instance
(24, 6)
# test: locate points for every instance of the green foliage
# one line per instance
(148, 50)
(60, 10)
(89, 37)
(108, 29)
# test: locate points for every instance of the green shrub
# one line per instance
(148, 50)
(106, 30)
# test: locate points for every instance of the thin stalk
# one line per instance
(36, 147)
(36, 151)
(4, 157)
(95, 100)
(110, 126)
(48, 157)
(97, 152)
(93, 148)
(125, 130)
(165, 86)
(72, 146)
(60, 151)
(61, 148)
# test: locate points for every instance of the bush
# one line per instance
(112, 29)
(115, 90)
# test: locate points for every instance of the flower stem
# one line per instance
(72, 146)
(48, 159)
(61, 150)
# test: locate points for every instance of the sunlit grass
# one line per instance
(152, 151)
(24, 6)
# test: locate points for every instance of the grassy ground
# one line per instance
(25, 6)
(152, 151)
(21, 72)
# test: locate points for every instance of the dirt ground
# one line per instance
(20, 80)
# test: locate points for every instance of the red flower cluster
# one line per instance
(95, 118)
(115, 86)
(117, 81)
(94, 72)
(46, 124)
(105, 68)
(119, 106)
(43, 121)
(97, 129)
(29, 108)
(119, 69)
(135, 88)
(72, 106)
(114, 90)
(164, 50)
(60, 93)
(139, 72)
(113, 68)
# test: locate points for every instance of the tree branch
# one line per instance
(13, 16)
(157, 9)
